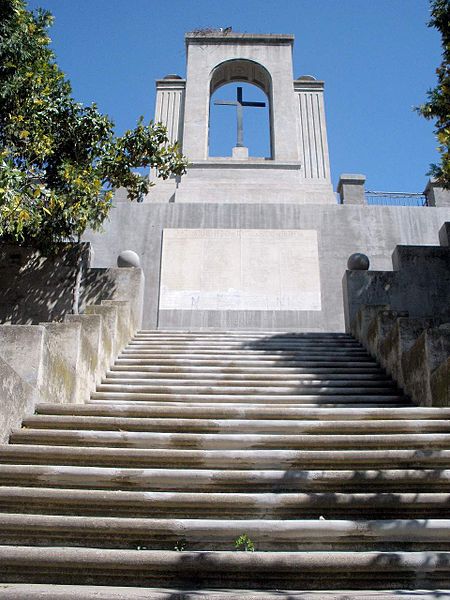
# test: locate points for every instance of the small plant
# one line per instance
(180, 545)
(244, 543)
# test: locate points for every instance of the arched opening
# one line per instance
(240, 109)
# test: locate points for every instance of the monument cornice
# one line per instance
(250, 163)
(218, 37)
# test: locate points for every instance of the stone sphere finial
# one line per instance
(128, 258)
(358, 262)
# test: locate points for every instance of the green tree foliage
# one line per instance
(57, 156)
(438, 106)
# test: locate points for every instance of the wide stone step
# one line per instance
(205, 441)
(222, 459)
(275, 370)
(242, 411)
(260, 355)
(220, 534)
(18, 591)
(220, 426)
(244, 364)
(217, 378)
(318, 398)
(265, 346)
(343, 480)
(238, 505)
(318, 388)
(264, 570)
(252, 334)
(280, 385)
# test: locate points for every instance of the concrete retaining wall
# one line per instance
(341, 231)
(62, 362)
(402, 317)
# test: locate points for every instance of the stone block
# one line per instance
(124, 326)
(122, 284)
(362, 324)
(22, 347)
(436, 195)
(430, 350)
(440, 384)
(379, 328)
(362, 288)
(90, 366)
(108, 350)
(398, 340)
(18, 400)
(351, 189)
(444, 235)
(61, 363)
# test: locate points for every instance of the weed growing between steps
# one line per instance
(244, 543)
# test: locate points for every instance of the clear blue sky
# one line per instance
(377, 58)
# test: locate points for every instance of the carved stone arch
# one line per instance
(244, 70)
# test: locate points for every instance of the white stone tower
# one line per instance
(298, 168)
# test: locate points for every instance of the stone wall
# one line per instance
(60, 361)
(35, 288)
(341, 230)
(402, 317)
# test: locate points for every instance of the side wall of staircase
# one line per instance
(402, 318)
(64, 361)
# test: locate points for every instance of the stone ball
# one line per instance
(172, 76)
(358, 262)
(128, 258)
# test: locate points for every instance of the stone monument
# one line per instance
(244, 242)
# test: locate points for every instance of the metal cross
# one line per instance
(239, 103)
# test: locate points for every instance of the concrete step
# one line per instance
(217, 378)
(222, 459)
(264, 570)
(270, 388)
(342, 480)
(219, 345)
(243, 364)
(318, 398)
(242, 411)
(18, 591)
(252, 334)
(190, 390)
(230, 441)
(237, 505)
(220, 534)
(260, 355)
(277, 385)
(223, 426)
(276, 370)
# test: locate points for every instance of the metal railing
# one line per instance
(396, 198)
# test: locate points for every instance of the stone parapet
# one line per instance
(402, 318)
(63, 362)
(418, 284)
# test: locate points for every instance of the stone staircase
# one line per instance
(299, 441)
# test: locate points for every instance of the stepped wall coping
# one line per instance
(18, 398)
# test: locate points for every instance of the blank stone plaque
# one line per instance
(240, 269)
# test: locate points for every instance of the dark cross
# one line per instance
(239, 104)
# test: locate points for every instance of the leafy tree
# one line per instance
(60, 160)
(438, 106)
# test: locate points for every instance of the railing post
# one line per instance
(351, 189)
(436, 195)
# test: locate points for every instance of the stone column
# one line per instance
(351, 189)
(170, 106)
(313, 142)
